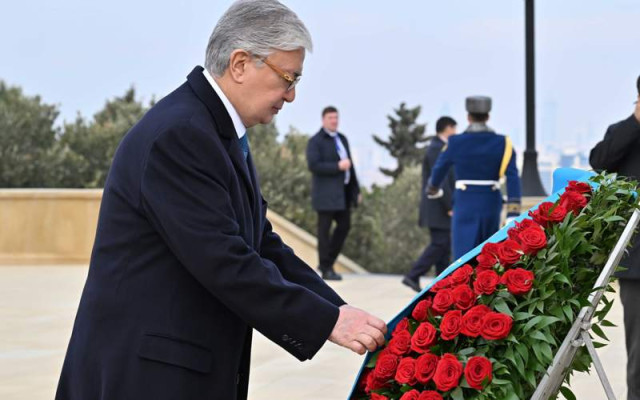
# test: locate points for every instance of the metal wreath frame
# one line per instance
(579, 333)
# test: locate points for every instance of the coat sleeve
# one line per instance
(292, 267)
(433, 153)
(186, 198)
(316, 164)
(354, 185)
(442, 166)
(514, 188)
(608, 153)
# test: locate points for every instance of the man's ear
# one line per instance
(239, 61)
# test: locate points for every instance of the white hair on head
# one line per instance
(258, 27)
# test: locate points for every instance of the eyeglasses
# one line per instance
(292, 80)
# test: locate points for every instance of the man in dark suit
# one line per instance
(334, 189)
(185, 264)
(435, 214)
(620, 152)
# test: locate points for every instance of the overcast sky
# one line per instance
(369, 56)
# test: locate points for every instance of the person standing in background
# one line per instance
(481, 159)
(334, 189)
(435, 214)
(619, 152)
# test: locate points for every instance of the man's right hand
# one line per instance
(344, 165)
(358, 330)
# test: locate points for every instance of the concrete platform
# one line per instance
(38, 305)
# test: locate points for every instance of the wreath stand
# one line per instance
(578, 335)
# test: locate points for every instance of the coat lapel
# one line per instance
(221, 117)
(258, 223)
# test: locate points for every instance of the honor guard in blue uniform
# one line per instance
(481, 159)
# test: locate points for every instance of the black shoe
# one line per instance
(330, 275)
(415, 285)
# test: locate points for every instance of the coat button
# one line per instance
(285, 338)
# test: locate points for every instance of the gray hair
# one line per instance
(258, 27)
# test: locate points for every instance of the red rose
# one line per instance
(519, 281)
(472, 320)
(403, 325)
(573, 202)
(430, 395)
(374, 383)
(385, 367)
(486, 261)
(423, 338)
(496, 326)
(488, 256)
(580, 187)
(441, 284)
(462, 275)
(519, 227)
(400, 344)
(532, 239)
(405, 374)
(477, 370)
(420, 312)
(548, 213)
(362, 383)
(425, 367)
(509, 252)
(442, 301)
(451, 324)
(410, 395)
(463, 297)
(376, 396)
(448, 373)
(387, 351)
(490, 248)
(486, 282)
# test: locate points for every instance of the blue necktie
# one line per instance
(244, 145)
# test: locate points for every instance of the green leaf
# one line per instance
(562, 278)
(457, 394)
(532, 322)
(546, 351)
(524, 353)
(568, 312)
(519, 316)
(604, 322)
(501, 306)
(467, 351)
(539, 335)
(546, 321)
(567, 393)
(598, 331)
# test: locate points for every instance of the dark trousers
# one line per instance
(330, 245)
(437, 253)
(630, 295)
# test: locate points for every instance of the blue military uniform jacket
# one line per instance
(477, 156)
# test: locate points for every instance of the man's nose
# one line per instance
(290, 95)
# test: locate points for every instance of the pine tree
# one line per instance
(403, 142)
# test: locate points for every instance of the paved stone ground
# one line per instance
(38, 305)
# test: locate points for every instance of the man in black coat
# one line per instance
(435, 214)
(334, 189)
(185, 264)
(619, 152)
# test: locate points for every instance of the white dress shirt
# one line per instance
(342, 153)
(235, 117)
